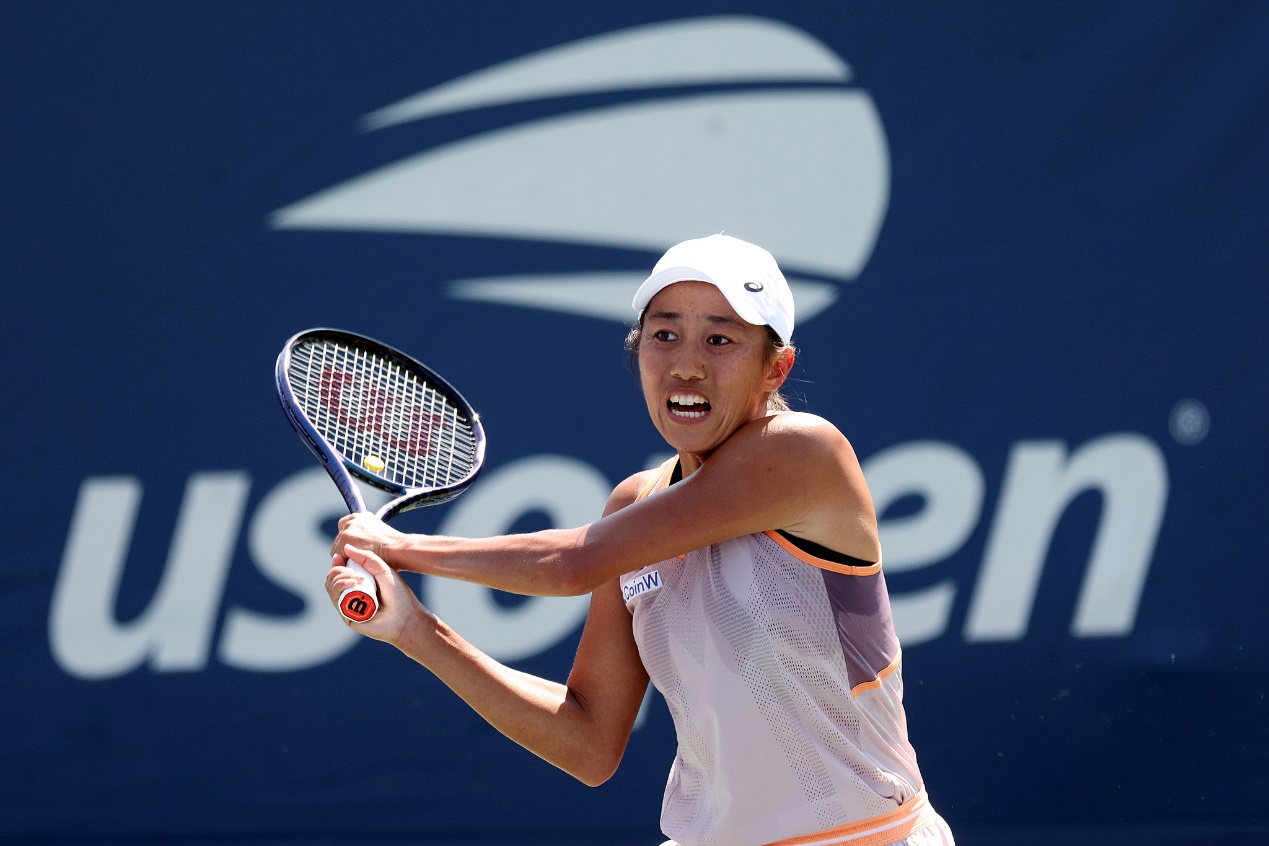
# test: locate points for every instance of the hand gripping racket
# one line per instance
(371, 412)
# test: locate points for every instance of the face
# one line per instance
(705, 372)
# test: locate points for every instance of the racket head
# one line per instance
(369, 411)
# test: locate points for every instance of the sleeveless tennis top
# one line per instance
(782, 674)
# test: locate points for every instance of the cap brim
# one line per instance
(658, 282)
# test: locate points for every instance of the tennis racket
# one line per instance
(372, 414)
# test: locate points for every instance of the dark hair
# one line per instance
(775, 345)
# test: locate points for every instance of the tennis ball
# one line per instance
(373, 463)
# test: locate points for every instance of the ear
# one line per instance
(781, 366)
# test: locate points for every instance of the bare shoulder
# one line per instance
(798, 436)
(814, 458)
(802, 423)
(630, 489)
(807, 451)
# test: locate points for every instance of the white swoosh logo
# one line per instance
(689, 52)
(803, 171)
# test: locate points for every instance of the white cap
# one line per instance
(746, 274)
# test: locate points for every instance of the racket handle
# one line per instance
(360, 602)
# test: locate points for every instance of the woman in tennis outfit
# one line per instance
(743, 577)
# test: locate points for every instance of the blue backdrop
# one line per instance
(1029, 245)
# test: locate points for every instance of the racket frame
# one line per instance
(341, 469)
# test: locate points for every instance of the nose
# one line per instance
(687, 364)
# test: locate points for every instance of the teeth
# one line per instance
(681, 403)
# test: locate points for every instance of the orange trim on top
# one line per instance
(661, 481)
(875, 683)
(875, 831)
(823, 564)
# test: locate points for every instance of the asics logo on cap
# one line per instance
(747, 275)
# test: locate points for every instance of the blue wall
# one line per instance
(1029, 243)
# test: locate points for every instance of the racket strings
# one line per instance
(366, 405)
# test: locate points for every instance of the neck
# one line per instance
(689, 463)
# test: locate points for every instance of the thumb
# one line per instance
(367, 559)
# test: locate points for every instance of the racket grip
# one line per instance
(360, 602)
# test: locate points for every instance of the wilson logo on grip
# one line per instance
(367, 408)
(357, 606)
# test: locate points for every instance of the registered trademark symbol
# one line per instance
(1189, 422)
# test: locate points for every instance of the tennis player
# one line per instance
(743, 577)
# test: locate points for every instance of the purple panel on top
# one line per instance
(861, 608)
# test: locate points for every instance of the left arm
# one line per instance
(788, 471)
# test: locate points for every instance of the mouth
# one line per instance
(687, 406)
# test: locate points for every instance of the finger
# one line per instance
(367, 559)
(339, 574)
(339, 577)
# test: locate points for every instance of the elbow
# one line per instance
(595, 781)
(594, 756)
(596, 770)
(576, 574)
(575, 581)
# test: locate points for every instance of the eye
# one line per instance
(664, 335)
(717, 340)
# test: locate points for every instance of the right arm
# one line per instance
(581, 726)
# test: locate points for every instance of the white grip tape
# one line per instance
(365, 584)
